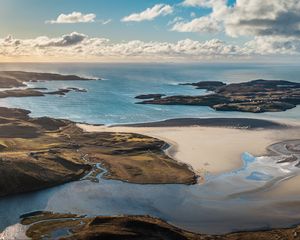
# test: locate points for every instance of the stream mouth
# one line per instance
(224, 203)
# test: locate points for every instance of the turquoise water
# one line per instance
(111, 101)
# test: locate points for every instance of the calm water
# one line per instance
(228, 202)
(112, 101)
(225, 203)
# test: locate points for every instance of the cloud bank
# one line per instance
(80, 46)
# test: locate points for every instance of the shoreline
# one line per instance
(188, 140)
(218, 141)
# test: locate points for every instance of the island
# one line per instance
(256, 96)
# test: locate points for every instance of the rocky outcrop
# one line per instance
(255, 96)
(208, 85)
(150, 96)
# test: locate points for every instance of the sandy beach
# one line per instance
(211, 150)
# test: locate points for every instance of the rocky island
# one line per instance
(256, 96)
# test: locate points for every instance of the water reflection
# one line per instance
(224, 203)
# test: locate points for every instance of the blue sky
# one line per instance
(25, 19)
(152, 30)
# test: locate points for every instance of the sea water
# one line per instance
(112, 100)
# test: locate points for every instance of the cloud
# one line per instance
(270, 45)
(149, 14)
(264, 18)
(77, 46)
(175, 20)
(74, 17)
(210, 23)
(202, 24)
(64, 41)
(197, 3)
(105, 22)
(245, 18)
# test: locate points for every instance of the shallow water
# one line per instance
(225, 203)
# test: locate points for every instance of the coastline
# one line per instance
(196, 144)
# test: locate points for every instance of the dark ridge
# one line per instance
(208, 85)
(150, 96)
(212, 122)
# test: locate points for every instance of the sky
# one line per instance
(149, 30)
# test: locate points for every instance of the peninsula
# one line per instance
(41, 152)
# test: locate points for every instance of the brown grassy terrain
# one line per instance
(10, 79)
(40, 152)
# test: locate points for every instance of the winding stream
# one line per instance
(225, 203)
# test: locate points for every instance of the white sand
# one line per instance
(208, 149)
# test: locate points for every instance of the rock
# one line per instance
(150, 96)
(208, 85)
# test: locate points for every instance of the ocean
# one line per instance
(111, 100)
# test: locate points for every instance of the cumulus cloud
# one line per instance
(78, 46)
(74, 17)
(246, 18)
(149, 14)
(197, 3)
(210, 23)
(270, 45)
(175, 20)
(64, 41)
(202, 24)
(264, 18)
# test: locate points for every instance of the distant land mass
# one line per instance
(255, 96)
(18, 79)
(10, 79)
